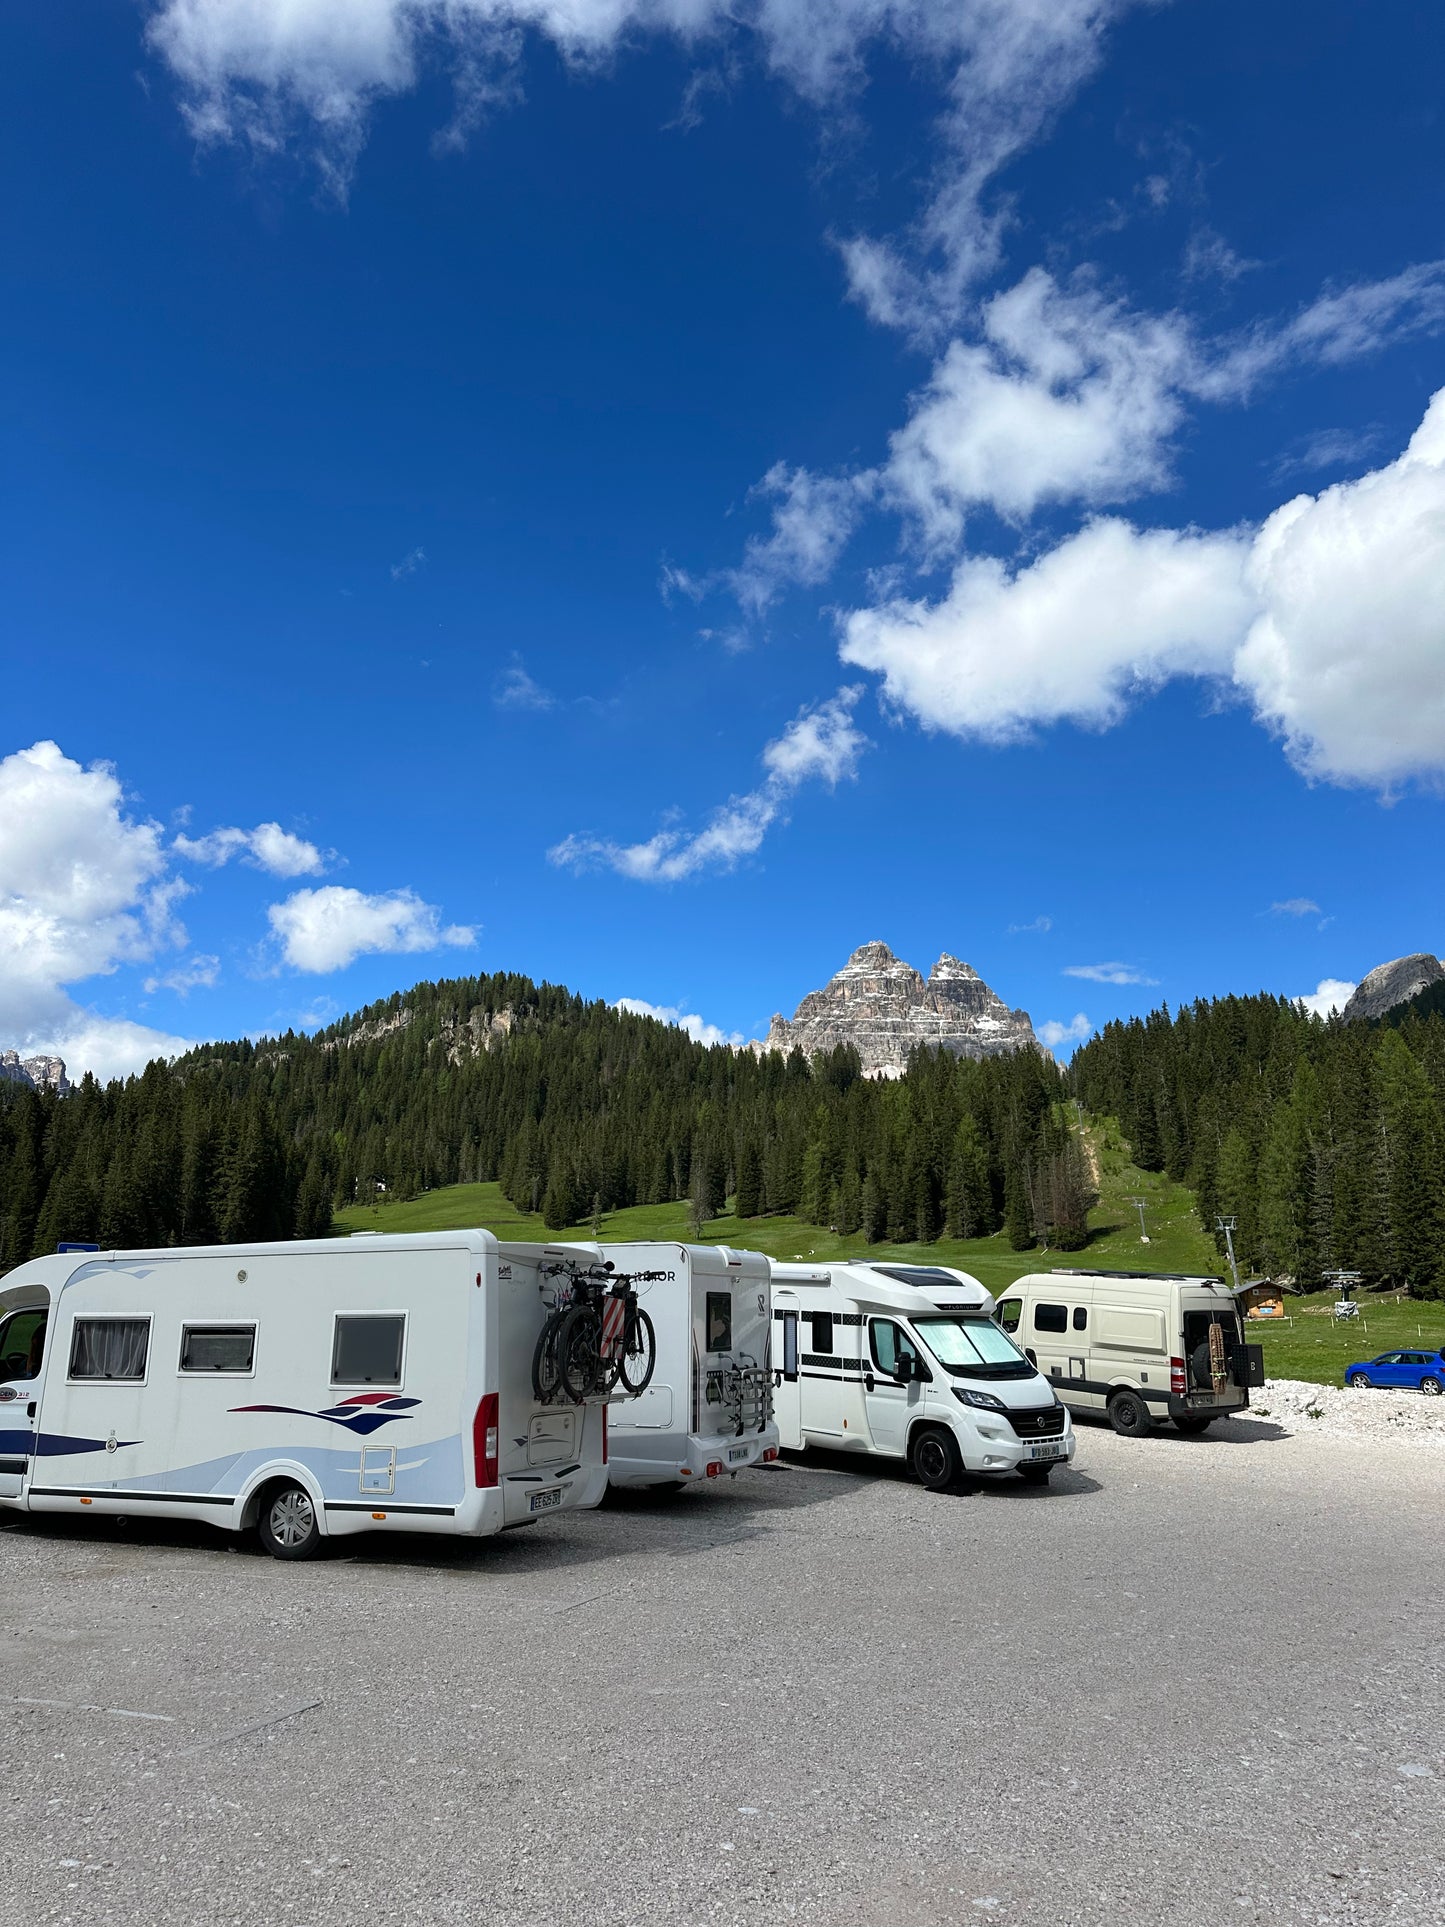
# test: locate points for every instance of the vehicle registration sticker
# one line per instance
(544, 1501)
(736, 1452)
(1052, 1449)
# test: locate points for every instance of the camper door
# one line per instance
(22, 1343)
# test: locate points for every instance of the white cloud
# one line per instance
(329, 928)
(515, 689)
(198, 972)
(109, 1047)
(413, 560)
(268, 847)
(1344, 325)
(1109, 973)
(1333, 994)
(1052, 1033)
(1330, 620)
(695, 1026)
(1072, 636)
(1040, 927)
(813, 517)
(1295, 907)
(822, 743)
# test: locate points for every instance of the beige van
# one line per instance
(1135, 1347)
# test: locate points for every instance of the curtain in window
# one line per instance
(109, 1348)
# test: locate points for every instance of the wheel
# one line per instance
(1431, 1387)
(639, 1355)
(1035, 1474)
(1359, 1380)
(1192, 1426)
(545, 1375)
(287, 1527)
(579, 1352)
(1129, 1415)
(933, 1458)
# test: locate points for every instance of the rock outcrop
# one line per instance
(884, 1008)
(1389, 984)
(36, 1073)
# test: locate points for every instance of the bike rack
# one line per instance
(745, 1392)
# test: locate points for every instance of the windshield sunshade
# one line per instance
(973, 1348)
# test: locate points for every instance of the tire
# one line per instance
(639, 1355)
(1035, 1474)
(579, 1352)
(1192, 1426)
(287, 1526)
(933, 1458)
(545, 1376)
(1431, 1387)
(1360, 1381)
(1129, 1415)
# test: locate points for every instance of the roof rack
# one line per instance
(1171, 1277)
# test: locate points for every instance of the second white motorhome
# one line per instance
(306, 1389)
(708, 1407)
(906, 1361)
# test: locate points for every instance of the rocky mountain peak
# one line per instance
(36, 1073)
(882, 1007)
(1392, 983)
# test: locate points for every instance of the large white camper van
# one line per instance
(906, 1361)
(708, 1407)
(1135, 1346)
(306, 1389)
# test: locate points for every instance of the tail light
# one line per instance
(484, 1440)
(715, 1468)
(1176, 1377)
(604, 1435)
(770, 1454)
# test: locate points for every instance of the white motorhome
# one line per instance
(1135, 1346)
(906, 1361)
(309, 1389)
(708, 1407)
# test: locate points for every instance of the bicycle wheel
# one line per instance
(579, 1352)
(545, 1374)
(639, 1354)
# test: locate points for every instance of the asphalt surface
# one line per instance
(1192, 1681)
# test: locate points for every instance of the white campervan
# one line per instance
(906, 1361)
(306, 1389)
(708, 1407)
(1134, 1346)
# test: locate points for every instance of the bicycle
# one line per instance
(596, 1336)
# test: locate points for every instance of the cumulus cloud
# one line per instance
(1329, 620)
(329, 928)
(1333, 994)
(1052, 1032)
(1109, 973)
(821, 744)
(689, 1021)
(83, 890)
(268, 847)
(813, 517)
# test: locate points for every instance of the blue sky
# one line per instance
(653, 494)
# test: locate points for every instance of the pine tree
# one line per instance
(750, 1181)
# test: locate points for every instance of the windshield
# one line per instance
(973, 1348)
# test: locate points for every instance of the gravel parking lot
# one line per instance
(1193, 1680)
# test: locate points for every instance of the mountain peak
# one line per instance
(1392, 983)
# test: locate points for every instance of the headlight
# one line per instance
(984, 1400)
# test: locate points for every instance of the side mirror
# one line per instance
(906, 1370)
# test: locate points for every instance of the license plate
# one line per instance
(544, 1501)
(1053, 1449)
(736, 1452)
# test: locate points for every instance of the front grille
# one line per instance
(1043, 1422)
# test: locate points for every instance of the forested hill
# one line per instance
(1325, 1140)
(571, 1106)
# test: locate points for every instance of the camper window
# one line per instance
(1081, 1318)
(22, 1343)
(822, 1330)
(367, 1348)
(973, 1348)
(1051, 1318)
(110, 1348)
(719, 1321)
(217, 1348)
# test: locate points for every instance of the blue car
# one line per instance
(1402, 1371)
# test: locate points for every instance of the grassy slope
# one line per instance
(1176, 1242)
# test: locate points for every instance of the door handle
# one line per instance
(30, 1409)
(868, 1381)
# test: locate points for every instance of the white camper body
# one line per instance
(382, 1382)
(1135, 1347)
(906, 1361)
(708, 1408)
